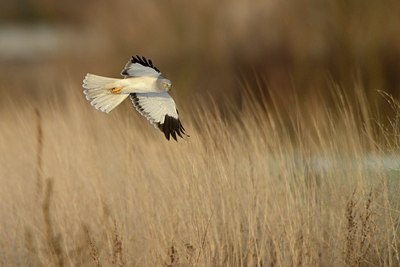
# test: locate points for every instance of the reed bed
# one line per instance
(253, 185)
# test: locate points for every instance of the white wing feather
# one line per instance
(160, 110)
(154, 106)
(140, 66)
(137, 70)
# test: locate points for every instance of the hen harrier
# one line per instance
(148, 90)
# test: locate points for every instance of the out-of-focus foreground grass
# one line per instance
(79, 187)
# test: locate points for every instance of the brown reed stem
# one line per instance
(39, 152)
(118, 258)
(94, 252)
(53, 240)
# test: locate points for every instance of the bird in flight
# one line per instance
(148, 90)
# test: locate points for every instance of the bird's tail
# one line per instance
(99, 91)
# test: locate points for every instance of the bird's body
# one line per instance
(146, 87)
(138, 85)
(131, 85)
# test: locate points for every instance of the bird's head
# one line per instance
(165, 84)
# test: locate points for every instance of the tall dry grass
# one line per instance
(254, 185)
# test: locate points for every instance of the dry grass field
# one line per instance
(247, 188)
(293, 157)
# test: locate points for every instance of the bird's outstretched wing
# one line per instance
(160, 110)
(140, 66)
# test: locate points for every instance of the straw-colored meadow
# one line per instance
(80, 188)
(293, 113)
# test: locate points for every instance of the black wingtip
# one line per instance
(172, 127)
(144, 61)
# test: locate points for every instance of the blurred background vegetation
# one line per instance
(204, 47)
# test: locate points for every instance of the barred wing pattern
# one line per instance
(160, 110)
